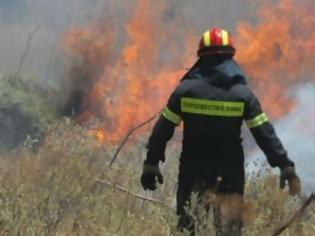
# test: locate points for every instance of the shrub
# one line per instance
(59, 191)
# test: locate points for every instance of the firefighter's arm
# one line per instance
(264, 133)
(162, 132)
(266, 138)
(164, 129)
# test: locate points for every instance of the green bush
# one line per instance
(34, 100)
(26, 110)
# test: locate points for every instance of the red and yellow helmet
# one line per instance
(216, 41)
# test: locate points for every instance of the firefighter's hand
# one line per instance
(150, 175)
(288, 174)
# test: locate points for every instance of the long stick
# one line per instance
(297, 215)
(130, 132)
(27, 49)
(122, 189)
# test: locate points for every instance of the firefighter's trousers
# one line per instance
(194, 200)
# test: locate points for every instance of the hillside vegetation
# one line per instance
(66, 188)
(55, 179)
(26, 110)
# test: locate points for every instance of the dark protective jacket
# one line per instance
(213, 100)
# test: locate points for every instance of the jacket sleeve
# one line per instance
(264, 133)
(164, 129)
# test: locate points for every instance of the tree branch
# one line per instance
(27, 48)
(130, 132)
(295, 217)
(122, 189)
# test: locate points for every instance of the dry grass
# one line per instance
(55, 192)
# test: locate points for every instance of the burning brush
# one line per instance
(118, 74)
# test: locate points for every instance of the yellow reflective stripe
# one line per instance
(213, 108)
(171, 116)
(257, 121)
(207, 39)
(225, 38)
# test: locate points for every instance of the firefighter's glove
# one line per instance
(150, 175)
(288, 174)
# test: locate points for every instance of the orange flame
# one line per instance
(99, 135)
(136, 85)
(279, 52)
(131, 79)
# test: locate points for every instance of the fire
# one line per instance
(278, 52)
(126, 75)
(98, 134)
(135, 83)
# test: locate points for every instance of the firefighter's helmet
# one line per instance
(216, 41)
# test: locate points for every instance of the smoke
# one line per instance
(278, 52)
(120, 67)
(20, 17)
(297, 133)
(278, 55)
(199, 15)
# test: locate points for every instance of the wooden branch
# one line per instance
(295, 217)
(122, 189)
(27, 49)
(130, 132)
(102, 13)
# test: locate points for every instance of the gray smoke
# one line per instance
(297, 133)
(18, 18)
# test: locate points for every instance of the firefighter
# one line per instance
(213, 100)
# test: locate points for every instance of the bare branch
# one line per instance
(27, 48)
(130, 132)
(122, 189)
(102, 13)
(295, 217)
